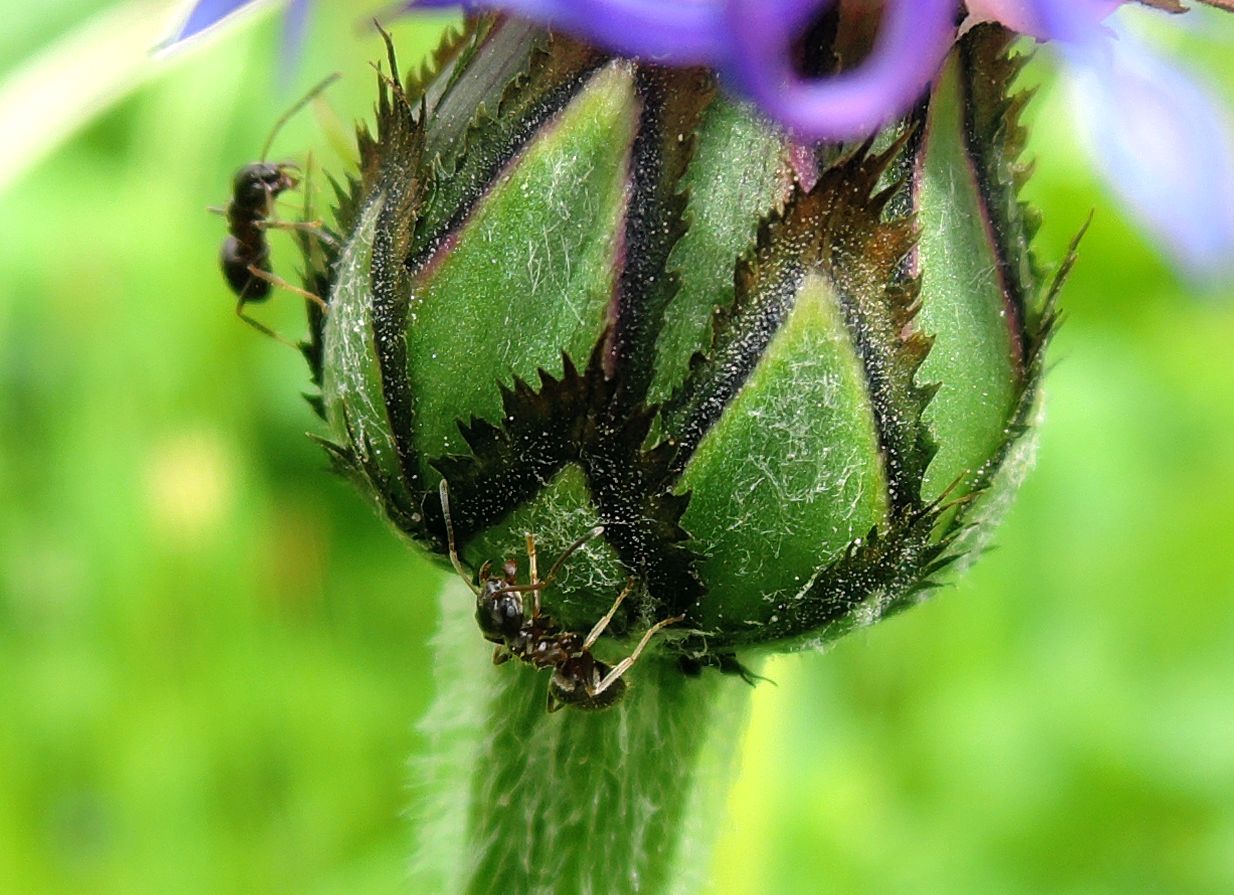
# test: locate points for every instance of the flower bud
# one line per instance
(792, 382)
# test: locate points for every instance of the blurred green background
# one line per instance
(212, 654)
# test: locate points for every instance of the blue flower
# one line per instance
(1159, 139)
(749, 42)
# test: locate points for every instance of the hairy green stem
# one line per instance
(515, 800)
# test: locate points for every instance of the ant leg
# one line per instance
(501, 655)
(554, 704)
(535, 580)
(261, 327)
(276, 280)
(312, 228)
(624, 665)
(280, 224)
(608, 616)
(443, 492)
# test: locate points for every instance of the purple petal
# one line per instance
(206, 13)
(912, 41)
(1164, 146)
(680, 32)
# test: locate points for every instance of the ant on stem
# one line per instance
(579, 678)
(245, 255)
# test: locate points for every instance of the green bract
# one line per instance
(792, 382)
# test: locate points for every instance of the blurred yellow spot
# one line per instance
(293, 550)
(190, 486)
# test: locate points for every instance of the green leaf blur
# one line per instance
(212, 653)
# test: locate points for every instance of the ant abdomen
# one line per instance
(575, 684)
(235, 260)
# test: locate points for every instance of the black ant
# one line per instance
(245, 256)
(579, 678)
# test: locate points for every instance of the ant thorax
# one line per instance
(544, 644)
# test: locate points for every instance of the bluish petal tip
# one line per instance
(1166, 148)
(1075, 21)
(295, 26)
(206, 13)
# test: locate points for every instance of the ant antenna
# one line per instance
(300, 104)
(571, 550)
(444, 492)
(536, 586)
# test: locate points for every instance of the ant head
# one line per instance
(256, 185)
(499, 612)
